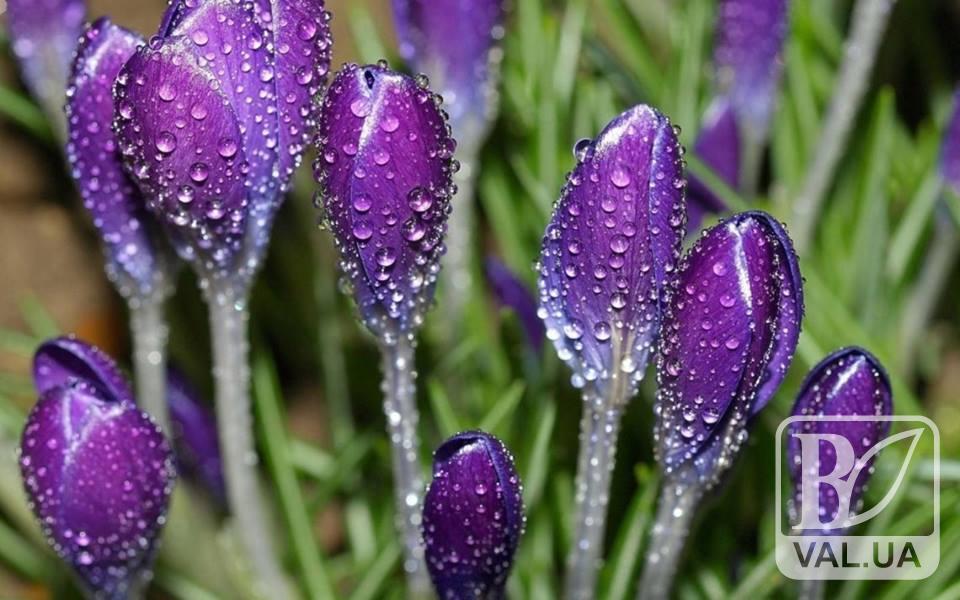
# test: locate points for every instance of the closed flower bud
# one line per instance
(611, 249)
(97, 471)
(136, 255)
(384, 167)
(849, 383)
(727, 342)
(512, 293)
(472, 517)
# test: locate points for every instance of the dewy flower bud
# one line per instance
(194, 431)
(728, 339)
(611, 249)
(455, 44)
(212, 116)
(850, 382)
(384, 169)
(514, 294)
(136, 255)
(44, 35)
(472, 517)
(98, 472)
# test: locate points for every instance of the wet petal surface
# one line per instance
(66, 360)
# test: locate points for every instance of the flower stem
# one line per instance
(228, 323)
(810, 589)
(599, 427)
(868, 24)
(678, 503)
(149, 331)
(460, 240)
(400, 406)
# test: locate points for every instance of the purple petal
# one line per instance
(454, 43)
(64, 361)
(136, 254)
(950, 148)
(611, 248)
(472, 517)
(748, 57)
(384, 169)
(849, 382)
(44, 35)
(718, 146)
(181, 139)
(514, 294)
(195, 436)
(98, 474)
(728, 339)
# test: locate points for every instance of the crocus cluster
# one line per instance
(97, 470)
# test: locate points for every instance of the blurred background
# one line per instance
(569, 67)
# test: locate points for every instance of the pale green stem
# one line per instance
(400, 407)
(678, 504)
(149, 330)
(868, 24)
(811, 589)
(228, 322)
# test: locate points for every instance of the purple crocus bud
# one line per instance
(384, 169)
(137, 258)
(748, 58)
(212, 116)
(44, 35)
(98, 474)
(455, 43)
(472, 517)
(728, 339)
(950, 148)
(849, 383)
(611, 249)
(718, 146)
(66, 360)
(512, 293)
(195, 438)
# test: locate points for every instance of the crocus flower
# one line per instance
(384, 166)
(851, 382)
(195, 439)
(512, 293)
(455, 44)
(472, 517)
(606, 263)
(98, 471)
(44, 35)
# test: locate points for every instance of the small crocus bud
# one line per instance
(472, 517)
(849, 383)
(66, 360)
(44, 35)
(611, 249)
(718, 146)
(384, 169)
(728, 339)
(512, 293)
(212, 115)
(137, 257)
(455, 44)
(195, 438)
(97, 471)
(950, 148)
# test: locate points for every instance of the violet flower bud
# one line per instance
(137, 256)
(728, 339)
(472, 517)
(950, 148)
(849, 382)
(611, 248)
(97, 471)
(195, 438)
(512, 293)
(384, 169)
(212, 116)
(44, 35)
(718, 146)
(455, 44)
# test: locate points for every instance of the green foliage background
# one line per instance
(570, 67)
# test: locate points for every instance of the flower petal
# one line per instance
(99, 476)
(611, 248)
(195, 436)
(514, 294)
(63, 361)
(384, 168)
(472, 517)
(718, 147)
(136, 254)
(950, 148)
